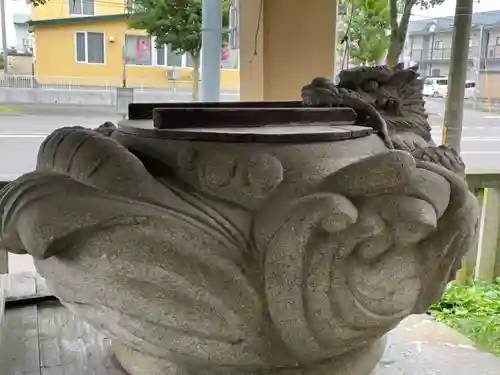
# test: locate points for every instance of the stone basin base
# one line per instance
(357, 362)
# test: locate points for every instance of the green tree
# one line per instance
(176, 23)
(366, 30)
(400, 12)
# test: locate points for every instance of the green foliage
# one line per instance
(176, 23)
(367, 29)
(173, 22)
(426, 4)
(1, 62)
(38, 2)
(473, 309)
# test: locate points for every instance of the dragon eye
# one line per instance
(381, 101)
(391, 104)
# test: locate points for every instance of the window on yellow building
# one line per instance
(89, 47)
(138, 50)
(173, 58)
(141, 50)
(82, 7)
(189, 61)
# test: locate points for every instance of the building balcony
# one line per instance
(439, 54)
(493, 52)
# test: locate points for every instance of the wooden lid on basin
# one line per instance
(282, 122)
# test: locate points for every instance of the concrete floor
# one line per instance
(421, 346)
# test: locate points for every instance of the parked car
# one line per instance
(437, 87)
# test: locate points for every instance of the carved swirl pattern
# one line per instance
(246, 180)
(341, 272)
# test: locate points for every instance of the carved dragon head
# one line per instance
(395, 93)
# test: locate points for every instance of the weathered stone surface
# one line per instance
(229, 257)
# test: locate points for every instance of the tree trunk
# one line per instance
(395, 49)
(196, 76)
(398, 32)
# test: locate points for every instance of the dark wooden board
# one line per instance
(181, 117)
(144, 111)
(318, 132)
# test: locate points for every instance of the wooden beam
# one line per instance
(20, 349)
(69, 345)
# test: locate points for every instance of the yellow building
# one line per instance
(83, 42)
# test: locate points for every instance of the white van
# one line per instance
(437, 87)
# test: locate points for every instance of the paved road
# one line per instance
(21, 135)
(480, 136)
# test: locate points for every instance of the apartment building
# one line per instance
(429, 43)
(24, 39)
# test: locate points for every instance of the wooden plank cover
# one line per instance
(70, 346)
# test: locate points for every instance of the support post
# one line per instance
(488, 235)
(124, 67)
(4, 262)
(478, 60)
(211, 42)
(4, 38)
(284, 45)
(433, 37)
(496, 269)
(469, 261)
(452, 130)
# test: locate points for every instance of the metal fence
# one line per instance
(60, 83)
(97, 83)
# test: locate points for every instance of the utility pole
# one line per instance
(452, 130)
(4, 38)
(480, 55)
(4, 263)
(124, 65)
(433, 41)
(211, 43)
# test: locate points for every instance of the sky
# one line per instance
(11, 7)
(446, 9)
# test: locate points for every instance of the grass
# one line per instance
(472, 308)
(10, 108)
